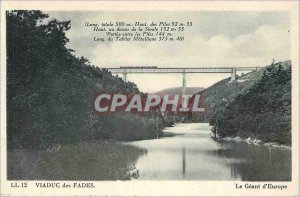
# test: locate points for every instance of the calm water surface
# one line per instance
(190, 155)
(194, 155)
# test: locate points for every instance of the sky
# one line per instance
(217, 38)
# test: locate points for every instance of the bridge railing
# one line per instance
(180, 70)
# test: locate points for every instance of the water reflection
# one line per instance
(94, 160)
(193, 155)
(256, 162)
(183, 162)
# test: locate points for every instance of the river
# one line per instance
(194, 155)
(191, 154)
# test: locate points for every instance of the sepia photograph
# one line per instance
(94, 96)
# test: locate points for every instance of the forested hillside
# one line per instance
(50, 91)
(224, 92)
(263, 111)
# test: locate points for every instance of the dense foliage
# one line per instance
(50, 91)
(223, 92)
(262, 112)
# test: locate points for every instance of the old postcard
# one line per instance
(149, 98)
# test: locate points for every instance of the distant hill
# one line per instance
(178, 90)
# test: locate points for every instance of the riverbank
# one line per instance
(90, 160)
(255, 141)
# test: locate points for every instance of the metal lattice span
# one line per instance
(183, 70)
(123, 70)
